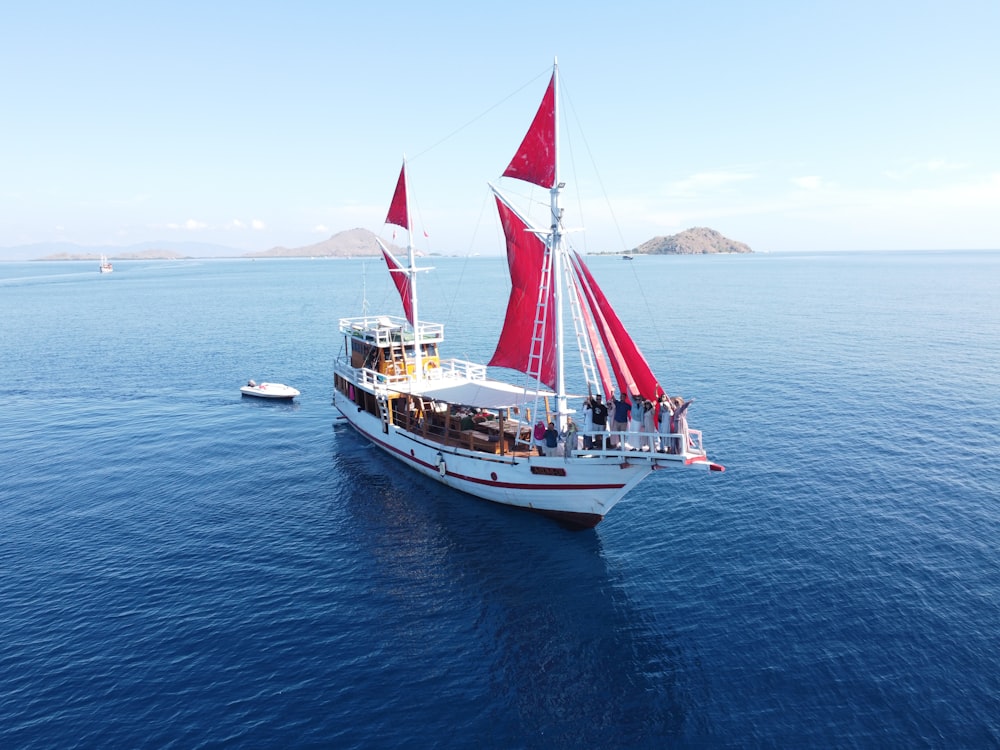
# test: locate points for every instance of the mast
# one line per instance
(411, 271)
(556, 246)
(399, 214)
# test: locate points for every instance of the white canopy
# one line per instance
(485, 394)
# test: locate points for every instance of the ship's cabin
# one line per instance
(388, 345)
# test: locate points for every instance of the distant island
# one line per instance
(694, 241)
(360, 243)
(352, 243)
(141, 255)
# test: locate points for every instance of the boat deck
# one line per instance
(484, 437)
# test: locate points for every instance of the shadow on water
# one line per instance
(550, 649)
(280, 404)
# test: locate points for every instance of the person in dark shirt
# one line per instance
(551, 439)
(600, 419)
(623, 409)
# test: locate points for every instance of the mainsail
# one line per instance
(519, 348)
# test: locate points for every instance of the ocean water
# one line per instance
(181, 567)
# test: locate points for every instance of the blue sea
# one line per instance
(181, 567)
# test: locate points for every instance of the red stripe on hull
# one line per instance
(569, 520)
(490, 482)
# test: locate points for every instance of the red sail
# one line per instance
(626, 383)
(535, 160)
(402, 281)
(526, 256)
(631, 368)
(600, 361)
(398, 213)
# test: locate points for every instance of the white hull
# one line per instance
(269, 390)
(577, 490)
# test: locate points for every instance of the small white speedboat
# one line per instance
(268, 390)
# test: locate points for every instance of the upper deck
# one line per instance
(386, 330)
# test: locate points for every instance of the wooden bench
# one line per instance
(477, 441)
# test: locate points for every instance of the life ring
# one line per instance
(429, 366)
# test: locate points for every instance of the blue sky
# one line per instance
(791, 126)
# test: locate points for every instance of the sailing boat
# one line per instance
(451, 420)
(106, 266)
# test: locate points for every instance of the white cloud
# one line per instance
(810, 182)
(703, 182)
(191, 225)
(929, 166)
(938, 165)
(238, 224)
(321, 229)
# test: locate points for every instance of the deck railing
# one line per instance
(624, 444)
(448, 368)
(383, 330)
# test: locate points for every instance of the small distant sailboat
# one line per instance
(106, 266)
(450, 421)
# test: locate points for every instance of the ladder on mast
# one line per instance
(579, 324)
(535, 356)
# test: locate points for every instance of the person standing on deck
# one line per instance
(635, 422)
(588, 422)
(539, 437)
(681, 436)
(619, 422)
(648, 413)
(666, 426)
(551, 440)
(599, 416)
(572, 441)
